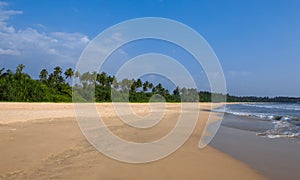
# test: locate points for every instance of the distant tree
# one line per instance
(9, 73)
(176, 92)
(55, 79)
(19, 86)
(159, 89)
(93, 77)
(102, 78)
(57, 71)
(77, 74)
(20, 68)
(145, 86)
(77, 77)
(43, 75)
(151, 86)
(110, 80)
(115, 83)
(139, 83)
(126, 84)
(85, 78)
(166, 92)
(133, 86)
(69, 73)
(154, 90)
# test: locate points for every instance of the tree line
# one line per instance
(100, 87)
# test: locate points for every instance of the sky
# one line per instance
(256, 41)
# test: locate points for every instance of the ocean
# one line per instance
(270, 120)
(263, 135)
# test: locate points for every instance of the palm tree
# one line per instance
(139, 83)
(85, 77)
(115, 83)
(159, 87)
(103, 79)
(111, 80)
(77, 74)
(145, 86)
(57, 77)
(125, 84)
(167, 91)
(43, 75)
(154, 90)
(57, 71)
(69, 73)
(176, 92)
(77, 77)
(20, 68)
(133, 85)
(94, 77)
(150, 86)
(184, 91)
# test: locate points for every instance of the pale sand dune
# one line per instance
(43, 141)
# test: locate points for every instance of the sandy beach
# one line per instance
(43, 141)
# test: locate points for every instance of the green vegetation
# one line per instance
(19, 86)
(54, 87)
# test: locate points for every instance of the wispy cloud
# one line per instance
(9, 52)
(4, 16)
(32, 42)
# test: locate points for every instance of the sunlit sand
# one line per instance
(43, 141)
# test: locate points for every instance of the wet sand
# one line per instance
(275, 158)
(43, 141)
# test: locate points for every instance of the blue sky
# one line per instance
(257, 41)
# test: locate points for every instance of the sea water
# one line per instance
(271, 120)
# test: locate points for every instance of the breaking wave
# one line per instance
(284, 116)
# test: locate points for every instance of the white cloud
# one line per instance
(9, 52)
(32, 43)
(4, 16)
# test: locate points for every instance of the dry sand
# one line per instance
(43, 141)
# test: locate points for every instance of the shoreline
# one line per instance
(275, 158)
(44, 141)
